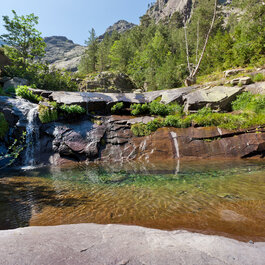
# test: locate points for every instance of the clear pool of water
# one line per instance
(214, 197)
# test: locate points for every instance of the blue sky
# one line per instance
(74, 18)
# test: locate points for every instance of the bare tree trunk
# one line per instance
(193, 74)
(198, 40)
(187, 48)
(192, 77)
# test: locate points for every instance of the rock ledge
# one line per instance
(116, 244)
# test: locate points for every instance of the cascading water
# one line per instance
(32, 137)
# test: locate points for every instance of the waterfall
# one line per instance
(32, 137)
(175, 141)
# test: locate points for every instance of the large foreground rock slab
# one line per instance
(116, 244)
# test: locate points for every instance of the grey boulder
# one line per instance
(15, 82)
(217, 98)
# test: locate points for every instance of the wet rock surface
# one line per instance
(116, 244)
(113, 140)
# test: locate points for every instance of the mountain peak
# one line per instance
(120, 26)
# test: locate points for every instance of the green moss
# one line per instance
(72, 109)
(155, 124)
(155, 108)
(139, 109)
(24, 92)
(116, 109)
(47, 114)
(3, 126)
(140, 129)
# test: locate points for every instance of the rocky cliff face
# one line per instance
(121, 26)
(166, 8)
(163, 9)
(63, 53)
(112, 140)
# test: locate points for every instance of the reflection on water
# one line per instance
(214, 197)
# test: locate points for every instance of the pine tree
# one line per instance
(89, 59)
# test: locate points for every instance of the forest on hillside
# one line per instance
(154, 55)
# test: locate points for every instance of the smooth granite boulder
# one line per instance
(217, 98)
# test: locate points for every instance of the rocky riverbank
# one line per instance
(116, 244)
(102, 136)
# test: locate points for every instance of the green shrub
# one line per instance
(73, 109)
(242, 101)
(173, 121)
(117, 108)
(140, 129)
(250, 102)
(156, 108)
(55, 80)
(24, 92)
(258, 104)
(204, 111)
(40, 76)
(53, 104)
(47, 114)
(160, 109)
(3, 126)
(155, 124)
(254, 120)
(186, 122)
(139, 109)
(258, 77)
